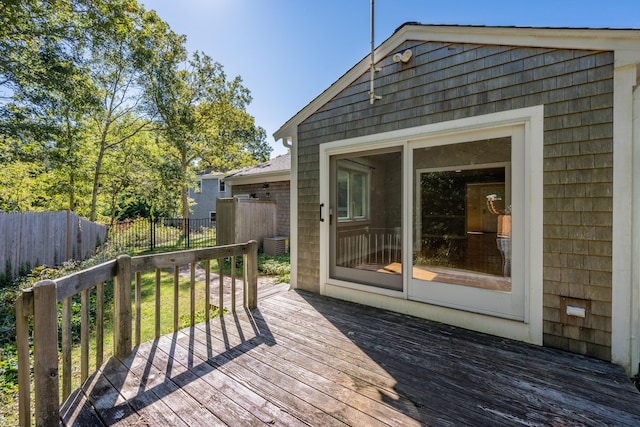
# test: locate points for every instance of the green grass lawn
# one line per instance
(147, 305)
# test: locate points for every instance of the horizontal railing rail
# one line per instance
(368, 245)
(38, 307)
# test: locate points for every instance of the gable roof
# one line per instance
(624, 42)
(278, 169)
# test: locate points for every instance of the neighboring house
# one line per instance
(266, 181)
(209, 186)
(491, 186)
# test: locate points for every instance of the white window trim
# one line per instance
(367, 203)
(532, 121)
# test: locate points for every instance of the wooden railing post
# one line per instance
(24, 309)
(251, 267)
(122, 307)
(45, 338)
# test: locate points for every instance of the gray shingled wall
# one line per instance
(450, 81)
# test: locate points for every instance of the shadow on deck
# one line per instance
(303, 359)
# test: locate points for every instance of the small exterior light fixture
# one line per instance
(404, 56)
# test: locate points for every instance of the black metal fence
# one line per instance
(155, 233)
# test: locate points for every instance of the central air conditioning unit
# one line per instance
(275, 246)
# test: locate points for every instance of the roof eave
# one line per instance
(260, 178)
(625, 42)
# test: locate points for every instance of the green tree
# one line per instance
(132, 177)
(84, 81)
(53, 120)
(23, 186)
(117, 59)
(202, 119)
(41, 60)
(47, 91)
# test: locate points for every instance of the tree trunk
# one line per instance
(96, 174)
(96, 183)
(72, 198)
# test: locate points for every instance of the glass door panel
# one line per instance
(366, 218)
(462, 227)
(458, 230)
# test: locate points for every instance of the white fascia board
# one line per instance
(210, 176)
(258, 179)
(288, 130)
(553, 38)
(626, 44)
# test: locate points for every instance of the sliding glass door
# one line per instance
(462, 197)
(366, 218)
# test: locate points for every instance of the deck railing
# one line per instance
(41, 304)
(368, 245)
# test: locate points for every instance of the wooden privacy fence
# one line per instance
(45, 238)
(41, 304)
(238, 220)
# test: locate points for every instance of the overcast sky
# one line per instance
(289, 51)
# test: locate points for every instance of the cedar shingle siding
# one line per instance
(451, 81)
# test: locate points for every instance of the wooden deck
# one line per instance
(303, 359)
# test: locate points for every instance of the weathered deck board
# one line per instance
(302, 359)
(469, 354)
(515, 382)
(315, 389)
(224, 388)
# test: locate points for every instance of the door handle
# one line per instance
(321, 206)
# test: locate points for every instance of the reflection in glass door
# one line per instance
(462, 239)
(366, 218)
(458, 226)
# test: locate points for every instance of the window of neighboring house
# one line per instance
(198, 188)
(352, 191)
(222, 186)
(212, 216)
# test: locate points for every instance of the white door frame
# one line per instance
(531, 121)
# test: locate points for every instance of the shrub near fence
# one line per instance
(45, 238)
